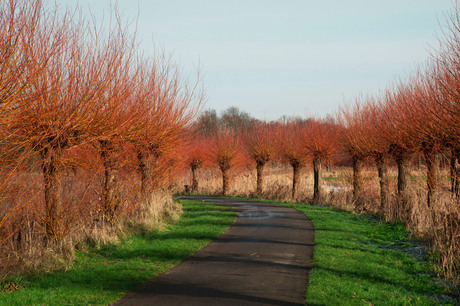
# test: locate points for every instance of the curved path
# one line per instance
(263, 259)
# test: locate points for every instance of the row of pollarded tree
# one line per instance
(73, 94)
(296, 143)
(419, 115)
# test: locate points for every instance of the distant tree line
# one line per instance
(209, 122)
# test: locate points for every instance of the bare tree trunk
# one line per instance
(316, 180)
(403, 209)
(194, 179)
(382, 167)
(53, 192)
(224, 166)
(357, 182)
(260, 178)
(225, 181)
(432, 164)
(403, 174)
(111, 200)
(296, 166)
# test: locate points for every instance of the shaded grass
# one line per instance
(359, 260)
(102, 276)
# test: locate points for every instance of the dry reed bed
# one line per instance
(24, 247)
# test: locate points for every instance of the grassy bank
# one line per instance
(359, 260)
(101, 276)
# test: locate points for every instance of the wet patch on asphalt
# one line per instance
(253, 212)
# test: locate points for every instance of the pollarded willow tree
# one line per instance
(196, 155)
(57, 110)
(356, 123)
(226, 152)
(379, 150)
(320, 143)
(396, 120)
(116, 110)
(166, 105)
(290, 148)
(261, 143)
(421, 95)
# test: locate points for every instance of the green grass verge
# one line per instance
(361, 261)
(104, 275)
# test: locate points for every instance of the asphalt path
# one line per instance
(263, 259)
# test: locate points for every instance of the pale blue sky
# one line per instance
(287, 57)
